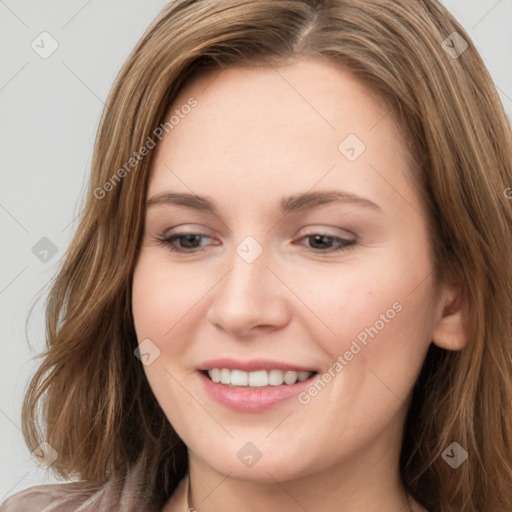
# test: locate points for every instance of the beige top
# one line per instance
(119, 496)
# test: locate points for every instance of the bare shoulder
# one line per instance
(61, 497)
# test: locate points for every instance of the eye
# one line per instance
(187, 242)
(191, 242)
(321, 240)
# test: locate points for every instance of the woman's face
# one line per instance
(308, 251)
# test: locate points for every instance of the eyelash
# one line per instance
(168, 242)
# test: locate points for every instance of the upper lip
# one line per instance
(252, 365)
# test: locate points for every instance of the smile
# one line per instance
(256, 379)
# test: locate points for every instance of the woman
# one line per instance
(290, 286)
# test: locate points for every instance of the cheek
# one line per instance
(383, 303)
(149, 301)
(159, 301)
(163, 295)
(381, 315)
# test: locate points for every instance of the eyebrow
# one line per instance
(294, 203)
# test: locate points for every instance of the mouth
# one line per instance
(236, 378)
(253, 386)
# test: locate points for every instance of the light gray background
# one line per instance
(50, 111)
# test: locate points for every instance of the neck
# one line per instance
(356, 487)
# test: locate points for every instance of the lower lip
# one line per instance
(253, 400)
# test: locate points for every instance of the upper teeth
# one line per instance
(259, 378)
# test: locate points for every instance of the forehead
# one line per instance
(327, 97)
(273, 125)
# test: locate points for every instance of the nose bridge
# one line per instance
(249, 295)
(248, 278)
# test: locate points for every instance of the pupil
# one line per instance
(321, 239)
(189, 239)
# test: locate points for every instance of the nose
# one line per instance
(249, 298)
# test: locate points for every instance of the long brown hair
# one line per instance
(98, 411)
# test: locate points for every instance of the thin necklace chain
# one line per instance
(187, 491)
